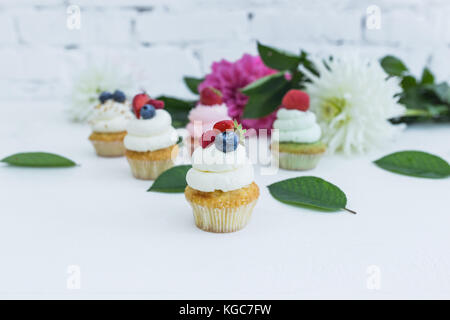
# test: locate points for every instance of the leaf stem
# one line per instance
(417, 113)
(351, 211)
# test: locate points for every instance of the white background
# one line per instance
(162, 40)
(133, 244)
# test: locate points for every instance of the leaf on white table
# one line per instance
(415, 163)
(38, 159)
(309, 191)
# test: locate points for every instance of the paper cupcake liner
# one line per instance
(109, 148)
(147, 169)
(295, 161)
(222, 220)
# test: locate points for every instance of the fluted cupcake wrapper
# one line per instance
(109, 148)
(222, 220)
(295, 161)
(148, 169)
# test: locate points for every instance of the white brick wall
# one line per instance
(162, 40)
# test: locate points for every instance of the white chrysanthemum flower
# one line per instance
(353, 100)
(88, 86)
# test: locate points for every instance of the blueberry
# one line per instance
(105, 95)
(147, 111)
(118, 96)
(226, 141)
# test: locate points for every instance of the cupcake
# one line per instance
(220, 185)
(108, 123)
(299, 146)
(208, 111)
(151, 141)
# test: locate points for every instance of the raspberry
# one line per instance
(158, 104)
(210, 96)
(208, 137)
(296, 99)
(224, 125)
(139, 101)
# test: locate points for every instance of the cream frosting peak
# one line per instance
(297, 126)
(110, 116)
(213, 169)
(151, 134)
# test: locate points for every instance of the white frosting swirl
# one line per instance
(213, 169)
(151, 134)
(110, 116)
(297, 126)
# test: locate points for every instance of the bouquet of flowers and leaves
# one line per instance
(252, 86)
(358, 101)
(424, 99)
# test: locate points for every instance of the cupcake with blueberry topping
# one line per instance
(151, 141)
(108, 123)
(220, 185)
(206, 113)
(299, 146)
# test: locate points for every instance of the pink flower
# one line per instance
(229, 77)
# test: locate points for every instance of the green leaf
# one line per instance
(308, 64)
(265, 95)
(309, 191)
(193, 83)
(178, 109)
(180, 139)
(415, 163)
(393, 66)
(262, 84)
(442, 90)
(38, 159)
(172, 180)
(414, 97)
(278, 59)
(408, 82)
(427, 76)
(425, 101)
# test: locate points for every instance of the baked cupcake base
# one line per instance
(108, 144)
(149, 165)
(220, 211)
(290, 161)
(299, 156)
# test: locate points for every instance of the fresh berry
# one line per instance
(118, 96)
(158, 104)
(210, 96)
(296, 99)
(104, 96)
(224, 125)
(226, 141)
(147, 111)
(208, 137)
(139, 101)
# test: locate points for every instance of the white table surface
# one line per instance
(130, 243)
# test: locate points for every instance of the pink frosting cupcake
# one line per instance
(208, 111)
